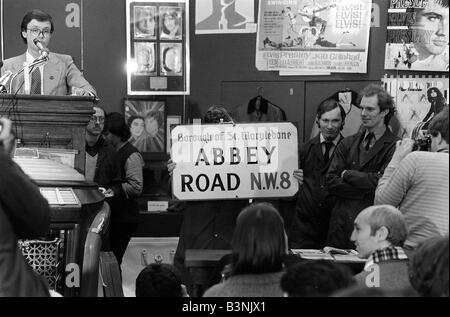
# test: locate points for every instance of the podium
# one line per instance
(56, 122)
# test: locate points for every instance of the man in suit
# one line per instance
(58, 76)
(359, 162)
(310, 225)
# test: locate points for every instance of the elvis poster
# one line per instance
(313, 35)
(417, 35)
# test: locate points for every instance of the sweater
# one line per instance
(248, 285)
(418, 186)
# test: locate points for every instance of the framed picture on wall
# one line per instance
(158, 47)
(147, 122)
(171, 122)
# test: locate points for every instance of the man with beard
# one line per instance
(99, 164)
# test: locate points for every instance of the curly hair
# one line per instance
(385, 100)
(428, 268)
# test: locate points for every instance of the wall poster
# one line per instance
(313, 35)
(157, 47)
(417, 101)
(147, 122)
(417, 35)
(224, 16)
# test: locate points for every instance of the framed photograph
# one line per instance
(171, 122)
(147, 122)
(144, 22)
(158, 47)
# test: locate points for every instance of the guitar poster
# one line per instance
(313, 35)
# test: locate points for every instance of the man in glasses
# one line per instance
(99, 165)
(58, 76)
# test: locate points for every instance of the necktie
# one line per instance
(328, 146)
(35, 82)
(369, 138)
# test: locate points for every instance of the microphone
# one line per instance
(4, 80)
(42, 48)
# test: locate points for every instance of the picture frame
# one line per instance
(170, 123)
(147, 122)
(157, 47)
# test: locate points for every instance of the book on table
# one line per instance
(329, 253)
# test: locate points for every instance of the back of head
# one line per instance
(385, 100)
(313, 278)
(217, 114)
(429, 267)
(159, 280)
(259, 240)
(115, 124)
(37, 15)
(391, 218)
(440, 124)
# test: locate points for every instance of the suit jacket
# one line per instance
(310, 225)
(393, 275)
(60, 75)
(356, 190)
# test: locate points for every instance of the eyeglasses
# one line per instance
(44, 32)
(99, 119)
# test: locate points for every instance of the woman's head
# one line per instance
(145, 20)
(429, 267)
(153, 122)
(259, 240)
(136, 124)
(436, 96)
(171, 21)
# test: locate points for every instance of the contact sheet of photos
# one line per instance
(157, 47)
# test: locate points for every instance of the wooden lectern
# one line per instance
(50, 121)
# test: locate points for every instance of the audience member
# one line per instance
(24, 214)
(358, 163)
(159, 280)
(259, 245)
(363, 291)
(310, 226)
(124, 190)
(429, 267)
(379, 234)
(315, 278)
(418, 183)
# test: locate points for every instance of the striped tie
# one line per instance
(35, 82)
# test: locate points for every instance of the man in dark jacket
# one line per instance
(100, 166)
(24, 214)
(310, 225)
(358, 163)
